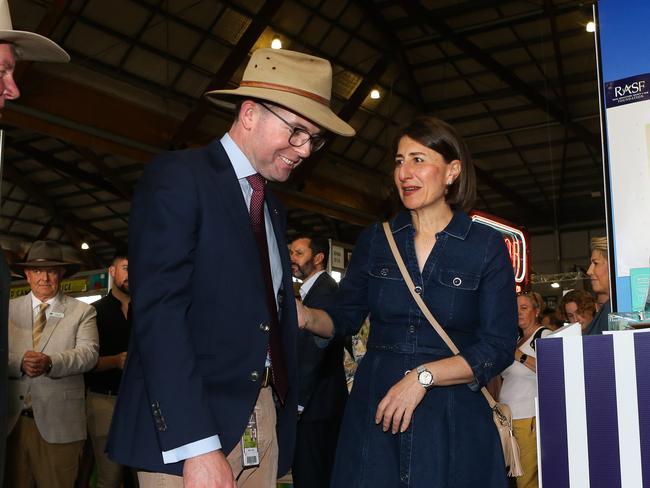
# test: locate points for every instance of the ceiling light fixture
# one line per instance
(555, 284)
(85, 246)
(591, 26)
(276, 43)
(374, 94)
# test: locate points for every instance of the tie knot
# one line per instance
(43, 306)
(256, 181)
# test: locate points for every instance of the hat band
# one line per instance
(285, 88)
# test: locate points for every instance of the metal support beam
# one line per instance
(112, 176)
(392, 44)
(417, 11)
(303, 171)
(69, 169)
(227, 70)
(46, 27)
(69, 222)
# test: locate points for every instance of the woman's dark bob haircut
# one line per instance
(443, 138)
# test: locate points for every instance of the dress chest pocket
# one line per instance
(459, 280)
(386, 291)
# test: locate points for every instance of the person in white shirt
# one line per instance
(519, 387)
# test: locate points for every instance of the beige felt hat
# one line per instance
(29, 46)
(297, 81)
(45, 254)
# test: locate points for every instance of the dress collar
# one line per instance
(458, 227)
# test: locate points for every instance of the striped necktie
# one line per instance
(39, 324)
(279, 374)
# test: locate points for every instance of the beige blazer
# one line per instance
(70, 339)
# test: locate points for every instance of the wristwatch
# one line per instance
(425, 378)
(523, 358)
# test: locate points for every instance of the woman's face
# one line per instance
(421, 175)
(573, 315)
(599, 273)
(527, 312)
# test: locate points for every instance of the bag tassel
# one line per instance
(514, 461)
(503, 420)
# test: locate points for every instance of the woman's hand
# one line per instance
(395, 411)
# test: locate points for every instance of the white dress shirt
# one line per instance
(308, 283)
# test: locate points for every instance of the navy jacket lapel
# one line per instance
(233, 200)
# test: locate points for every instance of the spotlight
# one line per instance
(276, 43)
(591, 26)
(85, 246)
(375, 95)
(555, 285)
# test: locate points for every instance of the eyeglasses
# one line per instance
(300, 136)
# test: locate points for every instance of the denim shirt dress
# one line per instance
(468, 284)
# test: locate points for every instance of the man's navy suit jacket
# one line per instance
(199, 314)
(323, 387)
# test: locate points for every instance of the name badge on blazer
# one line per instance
(57, 315)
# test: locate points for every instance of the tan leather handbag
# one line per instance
(501, 413)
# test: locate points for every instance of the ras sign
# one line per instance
(627, 90)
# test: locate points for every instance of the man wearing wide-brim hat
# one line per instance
(52, 342)
(215, 323)
(21, 45)
(14, 45)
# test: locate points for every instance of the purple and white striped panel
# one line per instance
(594, 411)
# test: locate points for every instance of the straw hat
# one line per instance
(297, 81)
(29, 46)
(45, 254)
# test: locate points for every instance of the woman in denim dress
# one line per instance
(415, 417)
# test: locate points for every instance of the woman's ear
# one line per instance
(453, 171)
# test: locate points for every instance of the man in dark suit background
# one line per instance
(214, 317)
(321, 377)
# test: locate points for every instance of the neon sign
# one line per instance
(516, 240)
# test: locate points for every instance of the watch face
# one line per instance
(425, 378)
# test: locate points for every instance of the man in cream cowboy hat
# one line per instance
(21, 45)
(29, 46)
(214, 334)
(52, 342)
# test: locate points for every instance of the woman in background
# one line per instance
(519, 387)
(599, 274)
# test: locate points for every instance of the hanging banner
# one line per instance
(625, 109)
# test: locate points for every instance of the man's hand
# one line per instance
(209, 470)
(120, 360)
(35, 363)
(302, 314)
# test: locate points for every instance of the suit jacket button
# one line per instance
(264, 327)
(254, 376)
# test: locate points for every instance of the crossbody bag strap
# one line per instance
(423, 306)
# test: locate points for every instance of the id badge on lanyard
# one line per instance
(250, 456)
